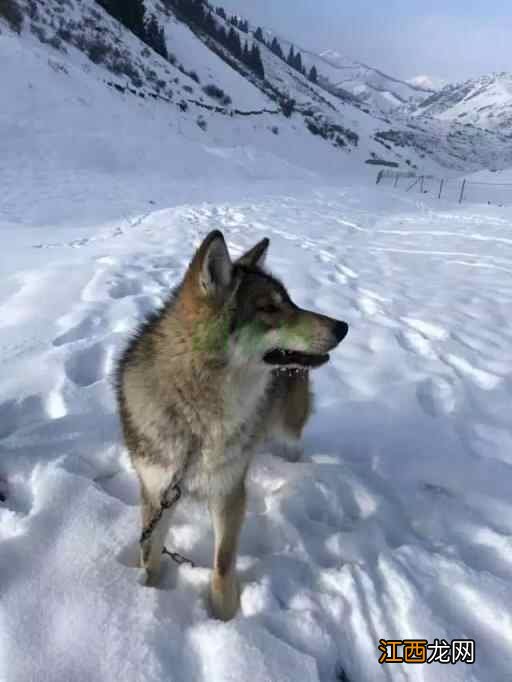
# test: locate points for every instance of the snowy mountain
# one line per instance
(485, 102)
(428, 83)
(203, 83)
(370, 85)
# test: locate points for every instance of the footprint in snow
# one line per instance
(347, 271)
(419, 336)
(164, 278)
(87, 366)
(16, 494)
(436, 396)
(414, 342)
(368, 305)
(484, 380)
(89, 326)
(122, 485)
(163, 263)
(125, 287)
(147, 304)
(429, 330)
(324, 257)
(17, 414)
(106, 284)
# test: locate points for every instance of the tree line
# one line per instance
(201, 15)
(132, 14)
(237, 22)
(294, 59)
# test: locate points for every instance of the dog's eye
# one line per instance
(268, 308)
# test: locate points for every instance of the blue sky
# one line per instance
(450, 39)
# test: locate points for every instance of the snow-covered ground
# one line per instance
(397, 524)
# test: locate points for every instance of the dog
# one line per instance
(223, 366)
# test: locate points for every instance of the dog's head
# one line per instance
(252, 311)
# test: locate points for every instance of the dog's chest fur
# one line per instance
(243, 393)
(231, 434)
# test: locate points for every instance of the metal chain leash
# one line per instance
(178, 558)
(148, 530)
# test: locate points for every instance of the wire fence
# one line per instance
(458, 189)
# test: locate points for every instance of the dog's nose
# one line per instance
(340, 330)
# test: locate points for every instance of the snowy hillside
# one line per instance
(397, 521)
(485, 102)
(64, 130)
(206, 88)
(369, 84)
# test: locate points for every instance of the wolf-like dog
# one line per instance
(203, 382)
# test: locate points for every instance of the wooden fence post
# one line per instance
(422, 181)
(379, 176)
(461, 197)
(441, 184)
(396, 179)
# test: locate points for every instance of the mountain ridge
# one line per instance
(206, 81)
(485, 101)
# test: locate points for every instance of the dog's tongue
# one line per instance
(284, 358)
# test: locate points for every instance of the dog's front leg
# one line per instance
(227, 512)
(156, 520)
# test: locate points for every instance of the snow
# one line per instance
(485, 102)
(105, 147)
(397, 522)
(211, 69)
(427, 82)
(349, 74)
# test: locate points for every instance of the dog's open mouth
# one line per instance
(293, 358)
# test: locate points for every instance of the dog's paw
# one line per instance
(150, 565)
(148, 578)
(224, 597)
(149, 569)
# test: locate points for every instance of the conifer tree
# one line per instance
(197, 9)
(276, 48)
(234, 44)
(222, 36)
(129, 12)
(256, 63)
(209, 24)
(246, 54)
(155, 37)
(133, 16)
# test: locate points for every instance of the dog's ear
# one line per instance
(255, 257)
(212, 266)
